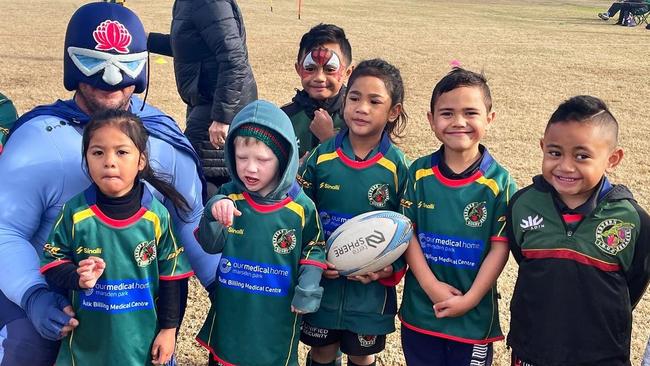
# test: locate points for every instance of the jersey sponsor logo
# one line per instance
(52, 250)
(176, 253)
(313, 332)
(475, 214)
(366, 340)
(532, 223)
(254, 277)
(331, 221)
(303, 182)
(284, 240)
(119, 296)
(428, 206)
(378, 195)
(331, 187)
(232, 230)
(613, 235)
(451, 251)
(90, 251)
(405, 203)
(145, 253)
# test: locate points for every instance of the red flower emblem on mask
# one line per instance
(112, 35)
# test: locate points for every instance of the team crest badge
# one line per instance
(613, 235)
(475, 214)
(112, 35)
(284, 241)
(367, 340)
(378, 195)
(145, 253)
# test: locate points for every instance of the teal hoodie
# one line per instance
(212, 235)
(273, 256)
(267, 115)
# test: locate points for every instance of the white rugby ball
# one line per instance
(368, 242)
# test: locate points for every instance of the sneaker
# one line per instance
(603, 16)
(647, 26)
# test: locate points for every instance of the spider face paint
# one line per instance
(322, 71)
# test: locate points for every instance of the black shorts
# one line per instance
(350, 343)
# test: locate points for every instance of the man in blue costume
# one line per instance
(105, 61)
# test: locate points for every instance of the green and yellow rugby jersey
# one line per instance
(117, 318)
(342, 188)
(456, 222)
(256, 278)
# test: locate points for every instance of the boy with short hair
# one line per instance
(271, 241)
(456, 199)
(324, 65)
(582, 244)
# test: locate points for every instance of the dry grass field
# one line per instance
(535, 53)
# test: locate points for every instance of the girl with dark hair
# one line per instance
(360, 170)
(113, 249)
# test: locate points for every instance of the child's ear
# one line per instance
(142, 163)
(430, 119)
(395, 112)
(347, 73)
(297, 67)
(491, 116)
(614, 159)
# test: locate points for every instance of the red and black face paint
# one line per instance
(323, 58)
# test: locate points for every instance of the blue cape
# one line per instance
(155, 121)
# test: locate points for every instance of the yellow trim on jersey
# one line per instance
(391, 167)
(491, 183)
(299, 210)
(327, 157)
(72, 334)
(421, 173)
(82, 215)
(149, 215)
(236, 196)
(171, 235)
(293, 336)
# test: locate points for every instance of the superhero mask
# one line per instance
(105, 47)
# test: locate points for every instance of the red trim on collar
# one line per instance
(265, 208)
(117, 223)
(455, 182)
(572, 218)
(358, 164)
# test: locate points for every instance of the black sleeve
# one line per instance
(639, 273)
(170, 303)
(160, 43)
(64, 276)
(515, 249)
(219, 26)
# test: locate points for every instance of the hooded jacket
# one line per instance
(272, 258)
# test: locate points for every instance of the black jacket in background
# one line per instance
(208, 43)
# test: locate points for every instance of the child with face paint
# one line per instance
(358, 171)
(324, 65)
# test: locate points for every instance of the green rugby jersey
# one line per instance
(456, 222)
(250, 322)
(343, 188)
(580, 276)
(301, 122)
(117, 318)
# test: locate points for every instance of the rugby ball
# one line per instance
(368, 242)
